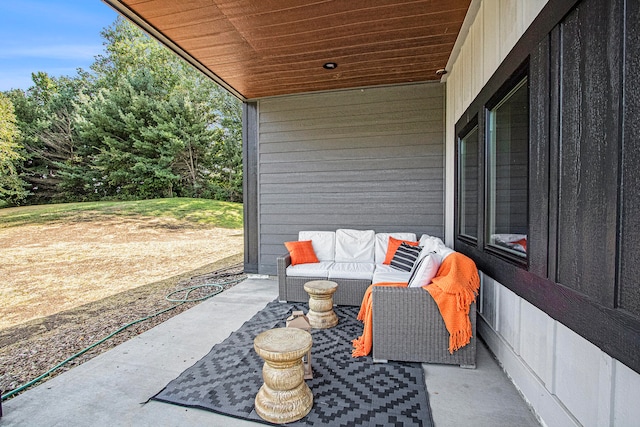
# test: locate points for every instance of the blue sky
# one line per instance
(55, 36)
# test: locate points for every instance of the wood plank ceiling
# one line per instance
(262, 48)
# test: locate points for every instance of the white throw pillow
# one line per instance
(355, 245)
(323, 242)
(425, 270)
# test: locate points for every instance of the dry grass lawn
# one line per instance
(67, 285)
(46, 269)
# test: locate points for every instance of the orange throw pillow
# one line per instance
(393, 246)
(301, 252)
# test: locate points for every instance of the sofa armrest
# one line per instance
(283, 262)
(407, 326)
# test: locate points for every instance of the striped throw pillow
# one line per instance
(405, 257)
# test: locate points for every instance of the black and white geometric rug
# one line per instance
(346, 391)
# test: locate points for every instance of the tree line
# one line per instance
(140, 124)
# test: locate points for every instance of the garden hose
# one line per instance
(219, 287)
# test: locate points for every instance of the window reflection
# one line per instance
(507, 174)
(468, 184)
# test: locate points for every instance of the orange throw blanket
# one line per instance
(362, 345)
(453, 289)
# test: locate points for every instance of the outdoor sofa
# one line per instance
(351, 258)
(407, 325)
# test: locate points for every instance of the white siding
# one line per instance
(497, 26)
(536, 343)
(509, 317)
(567, 380)
(488, 20)
(626, 410)
(577, 379)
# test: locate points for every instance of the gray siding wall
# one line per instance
(364, 159)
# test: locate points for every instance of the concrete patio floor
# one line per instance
(112, 388)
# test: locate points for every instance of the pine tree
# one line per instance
(12, 190)
(47, 133)
(142, 123)
(153, 128)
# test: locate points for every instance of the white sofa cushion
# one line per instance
(382, 242)
(434, 244)
(316, 269)
(324, 243)
(351, 270)
(355, 246)
(386, 273)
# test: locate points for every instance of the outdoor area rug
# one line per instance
(347, 391)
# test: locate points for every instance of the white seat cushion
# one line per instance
(351, 270)
(316, 269)
(382, 242)
(386, 273)
(355, 245)
(323, 242)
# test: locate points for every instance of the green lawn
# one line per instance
(210, 213)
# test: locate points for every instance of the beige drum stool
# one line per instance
(284, 397)
(321, 314)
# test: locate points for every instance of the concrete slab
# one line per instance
(112, 389)
(482, 397)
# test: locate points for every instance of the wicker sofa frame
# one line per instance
(407, 325)
(350, 291)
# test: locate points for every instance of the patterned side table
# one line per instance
(321, 314)
(284, 397)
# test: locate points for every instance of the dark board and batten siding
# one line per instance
(628, 297)
(584, 197)
(588, 151)
(364, 159)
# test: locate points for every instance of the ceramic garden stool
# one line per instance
(284, 397)
(321, 314)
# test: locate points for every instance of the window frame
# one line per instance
(472, 125)
(478, 114)
(542, 46)
(509, 87)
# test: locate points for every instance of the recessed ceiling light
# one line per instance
(330, 66)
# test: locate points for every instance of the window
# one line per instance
(468, 184)
(492, 172)
(507, 172)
